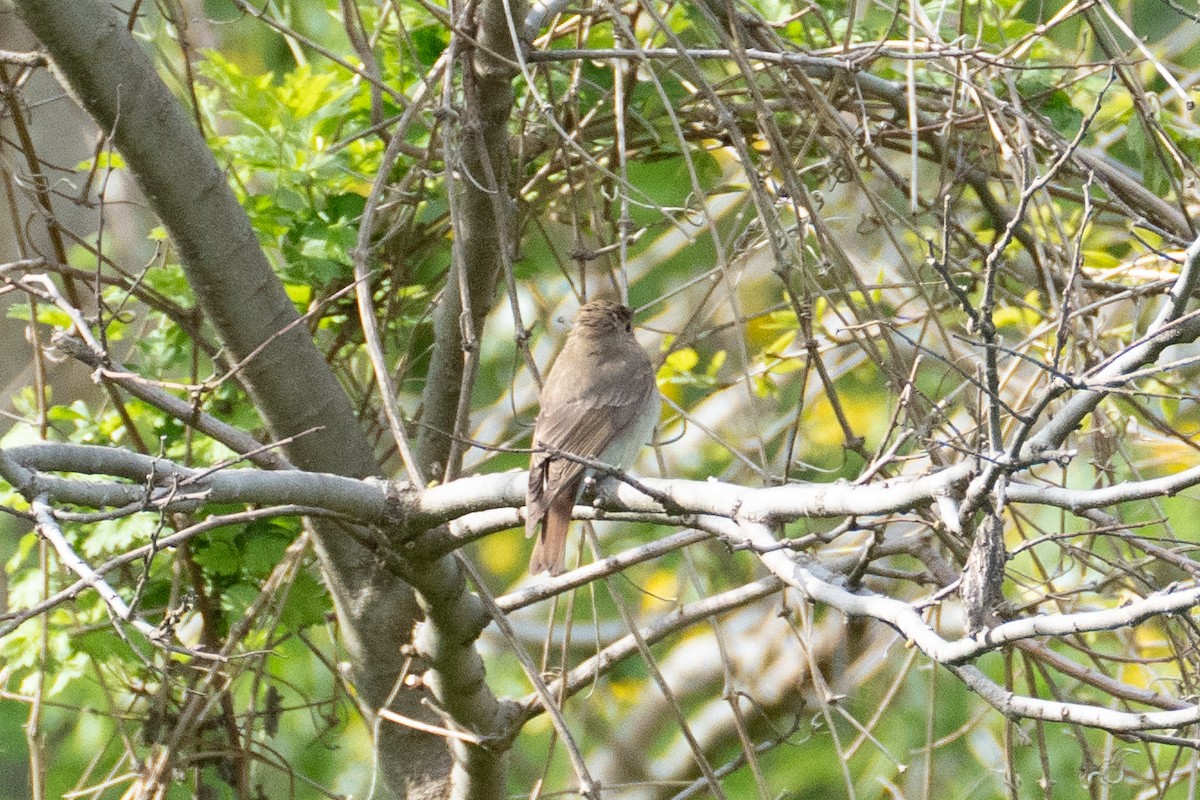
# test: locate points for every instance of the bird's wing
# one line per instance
(580, 427)
(583, 417)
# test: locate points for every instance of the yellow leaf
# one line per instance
(1151, 643)
(821, 428)
(714, 366)
(683, 360)
(626, 691)
(660, 590)
(504, 552)
(780, 344)
(785, 365)
(300, 294)
(1004, 317)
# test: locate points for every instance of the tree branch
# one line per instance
(483, 238)
(742, 517)
(109, 74)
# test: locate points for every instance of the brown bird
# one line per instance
(600, 402)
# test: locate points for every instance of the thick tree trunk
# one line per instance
(111, 77)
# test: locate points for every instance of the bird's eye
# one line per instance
(628, 327)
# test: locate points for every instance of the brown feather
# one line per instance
(599, 393)
(551, 544)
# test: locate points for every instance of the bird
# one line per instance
(600, 401)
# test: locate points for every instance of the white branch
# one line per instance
(1077, 500)
(740, 514)
(485, 503)
(1014, 705)
(743, 516)
(161, 483)
(1163, 330)
(824, 588)
(48, 528)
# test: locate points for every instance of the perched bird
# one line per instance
(600, 402)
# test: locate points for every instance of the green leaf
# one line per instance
(46, 314)
(428, 41)
(265, 543)
(117, 535)
(219, 555)
(307, 602)
(238, 597)
(345, 206)
(1061, 113)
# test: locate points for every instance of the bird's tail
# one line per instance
(551, 544)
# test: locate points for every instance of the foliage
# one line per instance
(819, 250)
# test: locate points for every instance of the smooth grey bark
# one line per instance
(109, 75)
(482, 232)
(480, 210)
